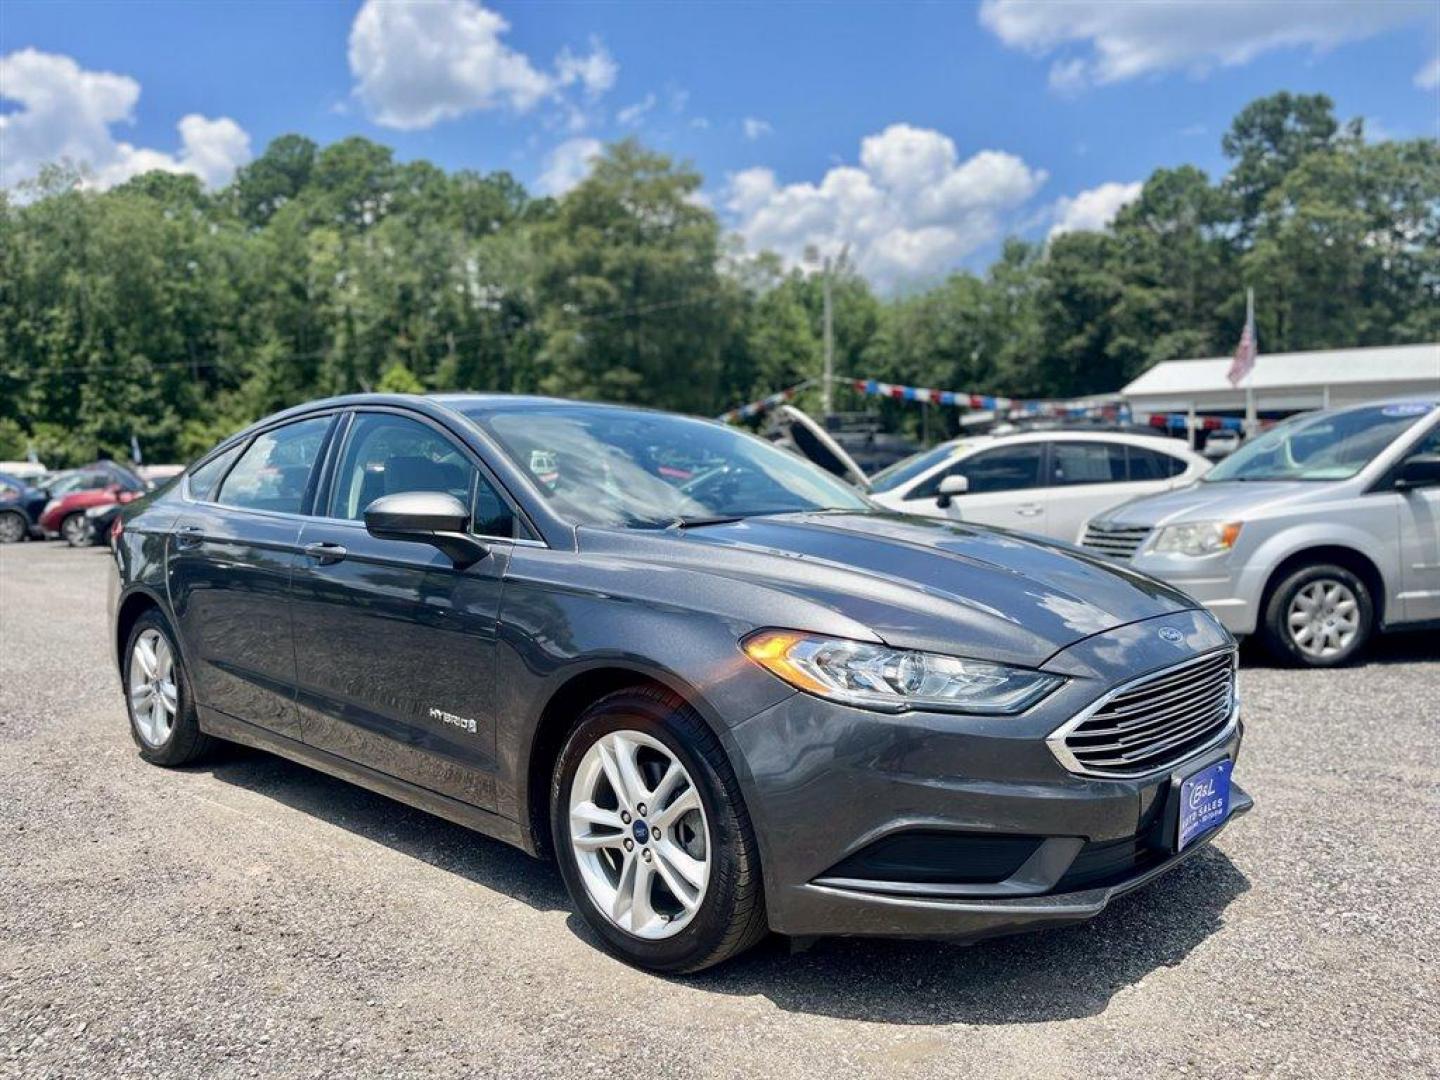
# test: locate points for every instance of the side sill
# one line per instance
(229, 728)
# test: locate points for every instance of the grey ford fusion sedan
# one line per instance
(723, 690)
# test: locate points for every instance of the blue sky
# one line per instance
(918, 133)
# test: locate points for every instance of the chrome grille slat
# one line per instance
(1154, 721)
(1116, 541)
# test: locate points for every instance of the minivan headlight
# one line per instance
(1197, 538)
(894, 680)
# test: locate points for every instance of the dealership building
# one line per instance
(1286, 383)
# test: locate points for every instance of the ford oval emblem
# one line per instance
(1170, 634)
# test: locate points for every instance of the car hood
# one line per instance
(1223, 500)
(922, 583)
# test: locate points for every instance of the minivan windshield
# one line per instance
(600, 465)
(1326, 446)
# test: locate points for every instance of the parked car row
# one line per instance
(74, 505)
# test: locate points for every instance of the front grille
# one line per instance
(1152, 722)
(1116, 541)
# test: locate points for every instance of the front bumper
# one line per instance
(1212, 581)
(828, 786)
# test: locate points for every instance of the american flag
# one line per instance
(1249, 347)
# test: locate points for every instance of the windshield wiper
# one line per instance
(692, 522)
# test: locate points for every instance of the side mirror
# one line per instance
(436, 518)
(950, 487)
(113, 489)
(1422, 470)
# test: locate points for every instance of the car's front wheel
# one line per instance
(652, 837)
(1319, 616)
(157, 696)
(75, 530)
(13, 527)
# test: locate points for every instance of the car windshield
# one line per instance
(1327, 446)
(907, 469)
(635, 469)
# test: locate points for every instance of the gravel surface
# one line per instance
(253, 918)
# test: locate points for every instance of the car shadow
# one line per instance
(1397, 647)
(414, 833)
(1048, 975)
(1059, 974)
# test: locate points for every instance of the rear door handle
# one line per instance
(325, 553)
(1029, 509)
(189, 535)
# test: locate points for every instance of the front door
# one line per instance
(231, 554)
(395, 646)
(1004, 488)
(1420, 543)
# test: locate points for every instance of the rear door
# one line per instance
(1420, 543)
(233, 548)
(395, 646)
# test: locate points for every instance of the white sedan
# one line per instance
(1046, 482)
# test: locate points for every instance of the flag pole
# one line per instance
(1250, 418)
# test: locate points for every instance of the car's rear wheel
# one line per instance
(13, 527)
(652, 837)
(75, 530)
(1319, 616)
(157, 696)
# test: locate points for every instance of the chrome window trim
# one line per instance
(1056, 739)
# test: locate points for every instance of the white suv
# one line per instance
(1046, 482)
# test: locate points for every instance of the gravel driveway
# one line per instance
(254, 918)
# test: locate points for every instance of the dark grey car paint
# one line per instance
(337, 664)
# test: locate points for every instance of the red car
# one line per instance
(71, 494)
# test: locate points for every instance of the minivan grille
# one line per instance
(1117, 541)
(1153, 722)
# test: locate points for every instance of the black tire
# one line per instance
(1276, 632)
(74, 530)
(731, 915)
(13, 527)
(186, 743)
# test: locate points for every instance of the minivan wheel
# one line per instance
(157, 696)
(75, 530)
(1319, 616)
(652, 836)
(13, 527)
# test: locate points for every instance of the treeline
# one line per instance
(161, 310)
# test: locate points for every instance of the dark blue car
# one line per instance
(20, 506)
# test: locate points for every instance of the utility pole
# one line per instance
(827, 394)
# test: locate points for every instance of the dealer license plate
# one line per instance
(1204, 801)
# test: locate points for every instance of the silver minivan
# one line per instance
(1313, 535)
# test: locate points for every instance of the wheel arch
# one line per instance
(1357, 562)
(134, 604)
(570, 698)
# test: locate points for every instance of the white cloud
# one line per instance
(1093, 209)
(1130, 39)
(910, 210)
(567, 165)
(1428, 77)
(416, 64)
(67, 112)
(631, 115)
(756, 128)
(596, 72)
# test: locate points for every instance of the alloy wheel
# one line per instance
(153, 694)
(639, 834)
(73, 529)
(12, 528)
(1324, 618)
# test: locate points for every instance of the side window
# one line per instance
(203, 480)
(493, 516)
(1086, 463)
(387, 454)
(1147, 464)
(1009, 468)
(273, 473)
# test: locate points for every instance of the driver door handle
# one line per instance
(324, 552)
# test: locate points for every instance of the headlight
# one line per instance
(894, 680)
(1200, 538)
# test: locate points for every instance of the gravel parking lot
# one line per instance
(254, 918)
